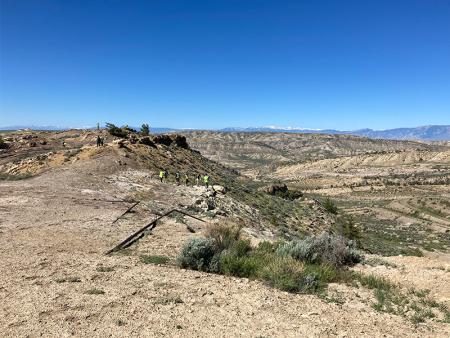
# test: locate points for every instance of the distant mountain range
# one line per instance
(424, 133)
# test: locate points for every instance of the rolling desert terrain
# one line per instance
(64, 203)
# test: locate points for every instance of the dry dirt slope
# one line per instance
(52, 244)
(57, 282)
(256, 150)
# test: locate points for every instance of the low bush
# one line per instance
(345, 226)
(199, 254)
(300, 266)
(323, 249)
(225, 235)
(330, 206)
(289, 195)
(154, 259)
(284, 273)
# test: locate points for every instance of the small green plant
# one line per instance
(102, 268)
(95, 291)
(120, 322)
(225, 235)
(169, 300)
(199, 254)
(330, 206)
(154, 259)
(68, 279)
(346, 227)
(13, 177)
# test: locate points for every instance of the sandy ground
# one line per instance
(55, 228)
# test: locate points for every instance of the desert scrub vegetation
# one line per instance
(326, 249)
(416, 305)
(330, 206)
(302, 266)
(154, 259)
(13, 177)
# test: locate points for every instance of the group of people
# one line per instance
(164, 174)
(100, 141)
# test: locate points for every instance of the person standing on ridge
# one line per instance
(186, 179)
(197, 180)
(206, 180)
(177, 177)
(99, 141)
(162, 175)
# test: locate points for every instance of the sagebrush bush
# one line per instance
(284, 273)
(199, 254)
(225, 235)
(323, 249)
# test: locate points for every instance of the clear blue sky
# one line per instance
(209, 64)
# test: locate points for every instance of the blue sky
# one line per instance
(210, 64)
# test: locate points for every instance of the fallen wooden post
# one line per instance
(127, 211)
(149, 227)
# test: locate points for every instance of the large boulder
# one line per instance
(163, 139)
(146, 140)
(276, 188)
(175, 139)
(219, 189)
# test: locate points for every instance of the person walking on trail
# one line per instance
(197, 180)
(206, 181)
(99, 141)
(162, 175)
(102, 141)
(177, 177)
(186, 179)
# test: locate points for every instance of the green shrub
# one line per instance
(239, 266)
(236, 261)
(345, 226)
(330, 206)
(199, 254)
(289, 195)
(284, 273)
(323, 249)
(224, 235)
(154, 259)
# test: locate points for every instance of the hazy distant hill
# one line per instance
(426, 133)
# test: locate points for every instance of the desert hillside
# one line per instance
(64, 203)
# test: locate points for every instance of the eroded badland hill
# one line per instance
(63, 203)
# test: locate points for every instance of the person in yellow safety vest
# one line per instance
(186, 179)
(162, 175)
(206, 181)
(177, 177)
